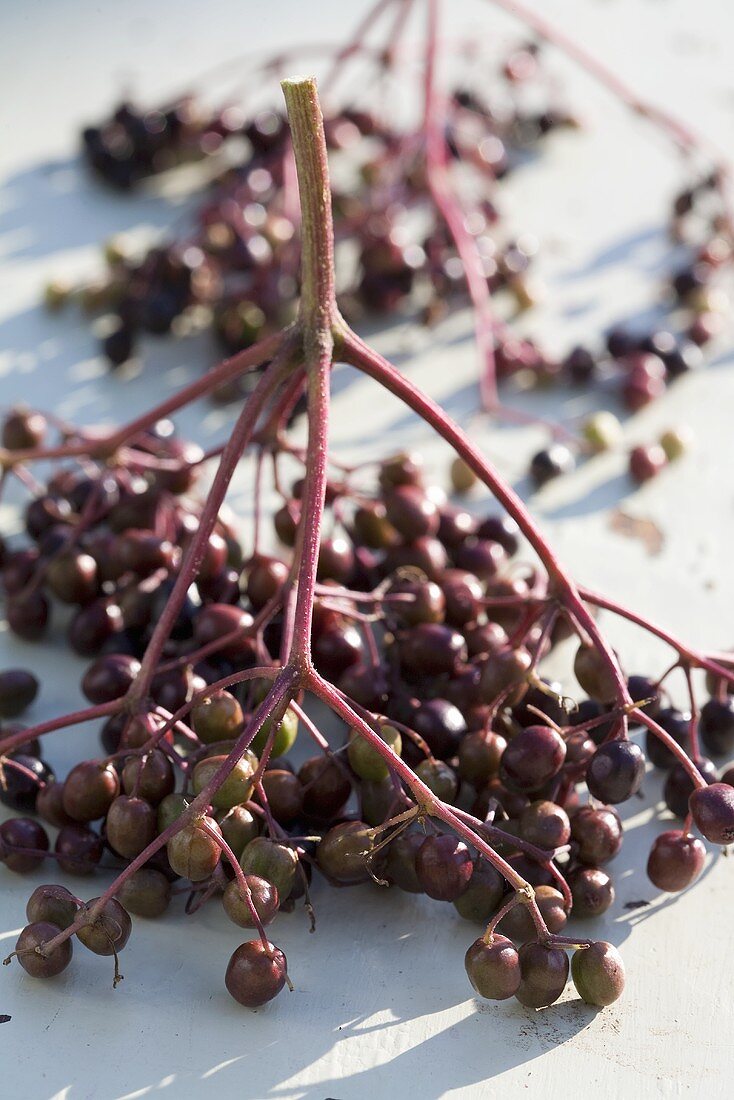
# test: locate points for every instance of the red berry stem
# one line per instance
(511, 902)
(670, 743)
(695, 714)
(317, 736)
(355, 43)
(318, 314)
(76, 718)
(394, 38)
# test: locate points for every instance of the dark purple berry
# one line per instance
(482, 897)
(444, 867)
(18, 689)
(677, 724)
(716, 726)
(22, 844)
(543, 975)
(597, 831)
(592, 891)
(532, 757)
(78, 849)
(679, 785)
(712, 809)
(255, 973)
(676, 860)
(493, 967)
(551, 463)
(615, 771)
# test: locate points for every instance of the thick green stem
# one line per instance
(318, 318)
(318, 298)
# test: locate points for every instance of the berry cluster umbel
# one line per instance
(406, 622)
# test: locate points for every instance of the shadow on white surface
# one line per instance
(645, 248)
(381, 1006)
(56, 206)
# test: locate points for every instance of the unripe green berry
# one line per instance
(365, 760)
(463, 477)
(237, 787)
(439, 777)
(274, 862)
(676, 442)
(602, 431)
(598, 973)
(284, 738)
(170, 809)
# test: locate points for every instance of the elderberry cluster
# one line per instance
(235, 266)
(428, 624)
(457, 771)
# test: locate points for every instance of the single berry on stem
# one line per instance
(32, 956)
(256, 973)
(543, 975)
(712, 809)
(493, 967)
(676, 860)
(598, 973)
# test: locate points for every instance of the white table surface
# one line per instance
(382, 1006)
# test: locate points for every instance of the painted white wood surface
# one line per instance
(382, 1006)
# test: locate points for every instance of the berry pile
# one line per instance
(419, 228)
(424, 621)
(105, 542)
(134, 145)
(459, 772)
(236, 267)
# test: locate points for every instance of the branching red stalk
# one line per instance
(426, 799)
(317, 315)
(307, 349)
(448, 206)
